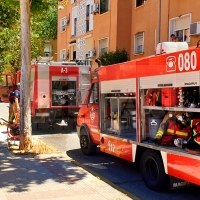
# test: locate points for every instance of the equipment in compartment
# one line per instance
(174, 126)
(133, 118)
(152, 97)
(123, 115)
(154, 124)
(181, 97)
(193, 144)
(191, 97)
(115, 120)
(169, 97)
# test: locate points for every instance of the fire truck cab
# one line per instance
(127, 103)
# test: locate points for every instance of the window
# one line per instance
(87, 18)
(183, 35)
(47, 50)
(73, 1)
(180, 26)
(63, 55)
(87, 10)
(104, 6)
(139, 43)
(75, 26)
(72, 53)
(139, 3)
(103, 45)
(87, 25)
(63, 24)
(94, 95)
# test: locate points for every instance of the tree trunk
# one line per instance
(25, 112)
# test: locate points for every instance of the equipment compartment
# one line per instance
(119, 114)
(179, 106)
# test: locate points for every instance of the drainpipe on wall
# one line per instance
(159, 20)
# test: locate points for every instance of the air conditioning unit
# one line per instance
(91, 53)
(94, 8)
(195, 28)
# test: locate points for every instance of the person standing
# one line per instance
(16, 104)
(11, 97)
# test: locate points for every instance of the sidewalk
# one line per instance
(48, 176)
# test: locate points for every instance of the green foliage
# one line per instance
(113, 57)
(7, 13)
(10, 48)
(43, 23)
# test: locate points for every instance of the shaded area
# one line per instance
(48, 176)
(126, 175)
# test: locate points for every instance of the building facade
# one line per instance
(86, 28)
(154, 21)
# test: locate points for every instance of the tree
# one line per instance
(26, 7)
(43, 21)
(113, 57)
(25, 113)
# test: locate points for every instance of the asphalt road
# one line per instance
(122, 173)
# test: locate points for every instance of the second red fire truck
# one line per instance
(58, 89)
(146, 111)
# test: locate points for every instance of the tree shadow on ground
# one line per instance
(27, 173)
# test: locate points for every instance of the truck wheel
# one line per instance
(152, 170)
(87, 147)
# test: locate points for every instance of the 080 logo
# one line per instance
(186, 61)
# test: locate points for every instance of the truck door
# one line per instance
(91, 115)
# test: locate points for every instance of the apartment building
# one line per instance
(86, 28)
(153, 21)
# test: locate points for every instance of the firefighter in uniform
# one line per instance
(16, 104)
(174, 125)
(194, 142)
(11, 101)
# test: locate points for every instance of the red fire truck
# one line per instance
(57, 89)
(122, 115)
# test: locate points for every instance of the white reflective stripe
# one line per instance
(42, 114)
(134, 146)
(94, 130)
(164, 157)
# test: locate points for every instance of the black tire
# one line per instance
(87, 147)
(153, 172)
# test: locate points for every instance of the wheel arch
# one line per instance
(162, 154)
(153, 167)
(84, 126)
(87, 146)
